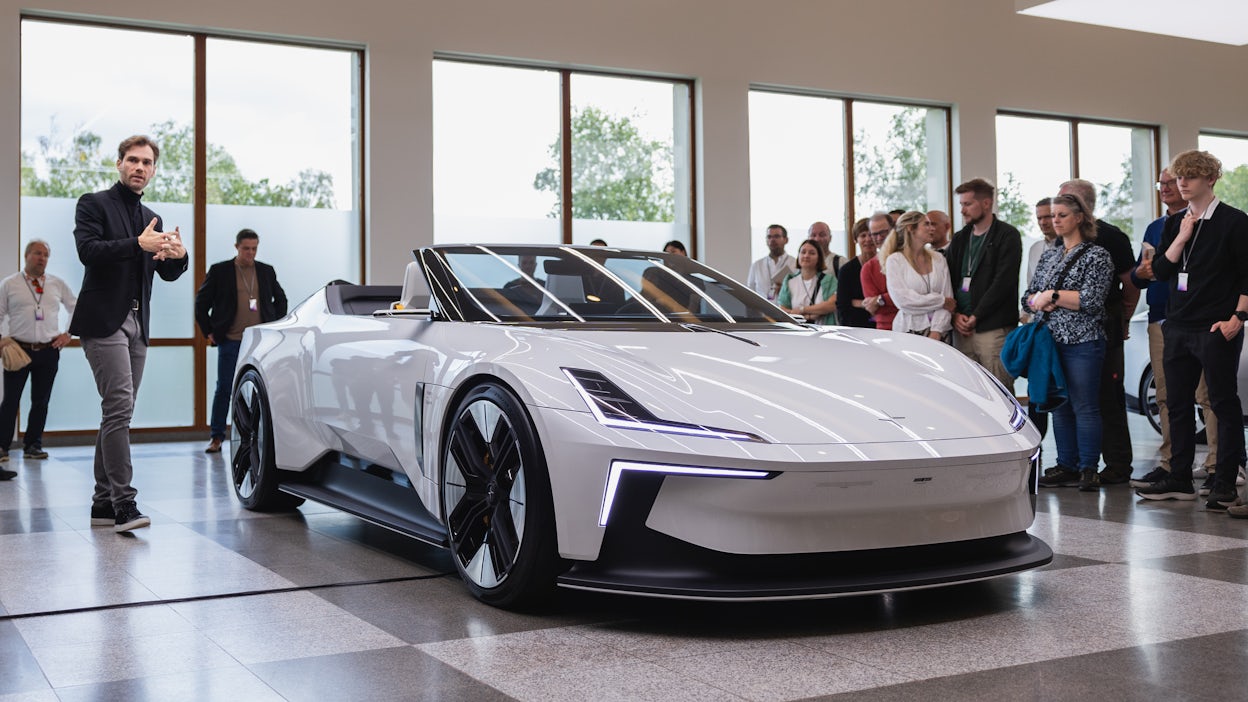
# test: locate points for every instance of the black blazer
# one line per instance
(108, 247)
(994, 287)
(216, 303)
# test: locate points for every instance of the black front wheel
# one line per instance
(496, 499)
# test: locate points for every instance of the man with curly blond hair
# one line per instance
(1203, 257)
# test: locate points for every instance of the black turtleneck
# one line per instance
(134, 207)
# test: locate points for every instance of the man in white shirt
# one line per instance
(768, 272)
(31, 300)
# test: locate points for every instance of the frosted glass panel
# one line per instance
(52, 219)
(307, 247)
(165, 395)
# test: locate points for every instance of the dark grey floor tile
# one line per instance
(384, 674)
(19, 671)
(1230, 566)
(29, 521)
(441, 609)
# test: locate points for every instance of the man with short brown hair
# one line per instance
(121, 244)
(984, 258)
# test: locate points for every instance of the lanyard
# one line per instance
(37, 295)
(968, 267)
(1187, 250)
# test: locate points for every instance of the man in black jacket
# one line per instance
(984, 257)
(121, 245)
(236, 294)
(1203, 257)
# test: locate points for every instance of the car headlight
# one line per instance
(613, 407)
(1019, 416)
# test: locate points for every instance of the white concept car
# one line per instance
(634, 422)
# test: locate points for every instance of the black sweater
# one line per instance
(1217, 269)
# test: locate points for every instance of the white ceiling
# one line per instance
(1221, 21)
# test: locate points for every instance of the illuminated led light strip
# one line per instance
(1019, 418)
(618, 468)
(660, 427)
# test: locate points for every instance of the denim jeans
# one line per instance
(1077, 423)
(227, 358)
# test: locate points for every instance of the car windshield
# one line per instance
(581, 284)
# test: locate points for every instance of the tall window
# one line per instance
(281, 157)
(525, 155)
(1035, 154)
(1232, 151)
(800, 150)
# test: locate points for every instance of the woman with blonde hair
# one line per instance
(918, 280)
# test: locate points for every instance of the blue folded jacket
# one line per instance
(1030, 352)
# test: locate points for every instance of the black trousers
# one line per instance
(1188, 353)
(1115, 437)
(42, 371)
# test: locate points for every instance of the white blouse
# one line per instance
(920, 299)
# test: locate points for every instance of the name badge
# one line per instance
(966, 283)
(38, 314)
(251, 304)
(1182, 282)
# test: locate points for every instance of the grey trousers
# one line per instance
(117, 361)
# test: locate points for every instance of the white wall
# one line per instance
(976, 55)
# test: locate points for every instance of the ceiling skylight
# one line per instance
(1222, 21)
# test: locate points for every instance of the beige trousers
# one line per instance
(985, 349)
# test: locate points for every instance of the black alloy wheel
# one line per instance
(253, 471)
(496, 499)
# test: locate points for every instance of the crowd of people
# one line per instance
(910, 275)
(1084, 280)
(123, 245)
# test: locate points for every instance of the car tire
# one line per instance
(496, 499)
(253, 470)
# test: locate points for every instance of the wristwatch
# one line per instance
(1242, 315)
(1055, 296)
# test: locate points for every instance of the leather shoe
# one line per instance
(214, 446)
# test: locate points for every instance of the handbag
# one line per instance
(14, 357)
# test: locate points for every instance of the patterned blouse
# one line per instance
(1090, 275)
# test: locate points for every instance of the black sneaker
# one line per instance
(1059, 476)
(7, 474)
(1168, 488)
(1089, 480)
(34, 452)
(129, 517)
(1150, 477)
(1207, 486)
(1221, 497)
(102, 514)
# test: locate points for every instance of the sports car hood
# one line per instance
(797, 386)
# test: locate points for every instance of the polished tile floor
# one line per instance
(1143, 601)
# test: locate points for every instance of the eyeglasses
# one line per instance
(880, 235)
(1165, 184)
